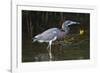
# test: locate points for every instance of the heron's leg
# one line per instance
(48, 47)
(50, 54)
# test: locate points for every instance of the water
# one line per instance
(67, 49)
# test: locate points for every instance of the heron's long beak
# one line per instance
(72, 23)
(75, 23)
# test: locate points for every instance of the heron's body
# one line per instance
(52, 34)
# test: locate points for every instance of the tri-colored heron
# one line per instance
(53, 34)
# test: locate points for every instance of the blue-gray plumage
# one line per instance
(52, 34)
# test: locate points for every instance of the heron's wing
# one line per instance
(48, 35)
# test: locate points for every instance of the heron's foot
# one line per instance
(50, 55)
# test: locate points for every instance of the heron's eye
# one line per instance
(68, 22)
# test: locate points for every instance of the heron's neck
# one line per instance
(65, 28)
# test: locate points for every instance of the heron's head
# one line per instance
(69, 22)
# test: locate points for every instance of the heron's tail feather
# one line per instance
(34, 39)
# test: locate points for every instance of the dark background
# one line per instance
(73, 47)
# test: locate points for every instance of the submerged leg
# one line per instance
(50, 54)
